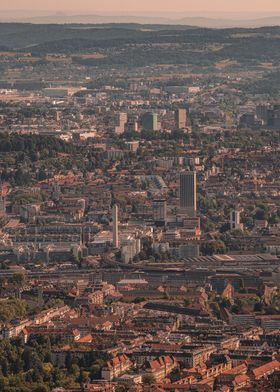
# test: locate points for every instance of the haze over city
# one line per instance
(187, 7)
(139, 196)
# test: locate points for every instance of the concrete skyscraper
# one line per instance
(122, 119)
(150, 121)
(180, 118)
(160, 211)
(235, 220)
(116, 226)
(188, 192)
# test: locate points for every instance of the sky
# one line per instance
(145, 6)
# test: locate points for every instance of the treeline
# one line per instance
(166, 45)
(28, 149)
(269, 84)
(33, 145)
(174, 135)
(11, 309)
(246, 52)
(28, 368)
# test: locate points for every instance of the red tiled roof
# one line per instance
(117, 361)
(85, 339)
(267, 368)
(161, 362)
(241, 378)
(237, 370)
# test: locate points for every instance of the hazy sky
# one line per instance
(136, 6)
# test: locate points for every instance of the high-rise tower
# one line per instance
(188, 192)
(122, 119)
(180, 118)
(150, 121)
(235, 220)
(160, 211)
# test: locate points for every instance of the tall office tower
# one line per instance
(132, 125)
(160, 212)
(121, 122)
(116, 226)
(180, 118)
(262, 112)
(188, 192)
(150, 121)
(235, 220)
(57, 116)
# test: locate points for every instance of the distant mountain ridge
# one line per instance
(186, 21)
(220, 23)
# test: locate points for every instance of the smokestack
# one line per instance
(116, 226)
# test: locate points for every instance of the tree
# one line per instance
(41, 388)
(187, 302)
(261, 214)
(121, 388)
(41, 175)
(258, 307)
(213, 247)
(12, 309)
(18, 278)
(21, 178)
(31, 360)
(148, 379)
(224, 228)
(95, 371)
